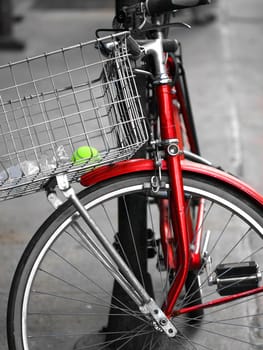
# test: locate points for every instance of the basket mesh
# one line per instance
(55, 103)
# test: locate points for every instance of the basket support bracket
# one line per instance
(114, 263)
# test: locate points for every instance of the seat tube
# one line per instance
(177, 200)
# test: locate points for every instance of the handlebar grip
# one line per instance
(158, 7)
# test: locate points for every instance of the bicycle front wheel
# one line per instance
(62, 296)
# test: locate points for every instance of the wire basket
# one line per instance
(54, 104)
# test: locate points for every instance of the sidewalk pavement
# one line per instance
(224, 65)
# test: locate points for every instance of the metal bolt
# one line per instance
(163, 322)
(173, 150)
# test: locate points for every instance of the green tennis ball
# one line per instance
(85, 153)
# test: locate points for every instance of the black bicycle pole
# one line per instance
(119, 5)
(7, 41)
(134, 205)
(130, 232)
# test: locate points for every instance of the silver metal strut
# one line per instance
(114, 263)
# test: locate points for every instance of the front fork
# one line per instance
(168, 118)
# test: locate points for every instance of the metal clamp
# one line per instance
(162, 322)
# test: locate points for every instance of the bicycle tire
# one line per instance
(51, 307)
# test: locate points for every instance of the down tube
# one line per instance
(177, 201)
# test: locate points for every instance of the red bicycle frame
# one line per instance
(142, 165)
(181, 231)
(184, 124)
(172, 139)
(182, 100)
(177, 200)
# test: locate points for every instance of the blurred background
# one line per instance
(223, 60)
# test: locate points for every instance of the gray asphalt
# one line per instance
(224, 65)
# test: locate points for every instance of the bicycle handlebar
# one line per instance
(158, 7)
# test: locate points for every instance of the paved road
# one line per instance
(224, 64)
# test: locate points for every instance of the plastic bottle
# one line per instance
(10, 173)
(47, 163)
(29, 167)
(3, 175)
(14, 172)
(63, 157)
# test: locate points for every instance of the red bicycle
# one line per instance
(76, 286)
